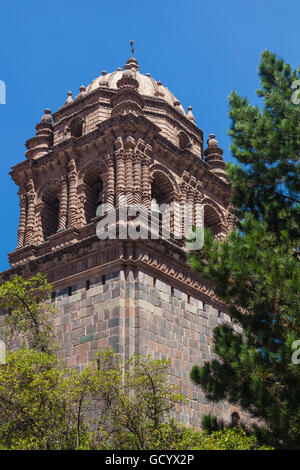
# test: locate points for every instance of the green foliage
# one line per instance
(45, 406)
(136, 400)
(39, 404)
(255, 270)
(209, 422)
(267, 142)
(229, 439)
(29, 311)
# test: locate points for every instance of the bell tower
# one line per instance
(123, 140)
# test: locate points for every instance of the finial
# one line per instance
(214, 158)
(178, 107)
(103, 72)
(212, 142)
(159, 91)
(47, 118)
(69, 99)
(82, 91)
(43, 140)
(148, 75)
(131, 64)
(190, 115)
(132, 48)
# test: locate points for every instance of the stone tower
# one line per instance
(123, 138)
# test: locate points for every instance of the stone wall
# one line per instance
(133, 312)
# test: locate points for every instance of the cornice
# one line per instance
(163, 257)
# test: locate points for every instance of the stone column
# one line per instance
(199, 211)
(29, 230)
(146, 183)
(183, 202)
(110, 183)
(72, 208)
(120, 178)
(190, 209)
(137, 178)
(23, 216)
(81, 195)
(39, 236)
(63, 205)
(129, 184)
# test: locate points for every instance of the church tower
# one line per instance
(124, 139)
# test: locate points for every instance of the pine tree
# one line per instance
(267, 142)
(256, 269)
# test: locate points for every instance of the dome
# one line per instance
(147, 85)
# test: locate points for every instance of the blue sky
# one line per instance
(200, 50)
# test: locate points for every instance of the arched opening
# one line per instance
(50, 211)
(212, 219)
(161, 189)
(76, 127)
(93, 193)
(183, 140)
(162, 192)
(235, 419)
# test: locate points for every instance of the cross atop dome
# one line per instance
(132, 48)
